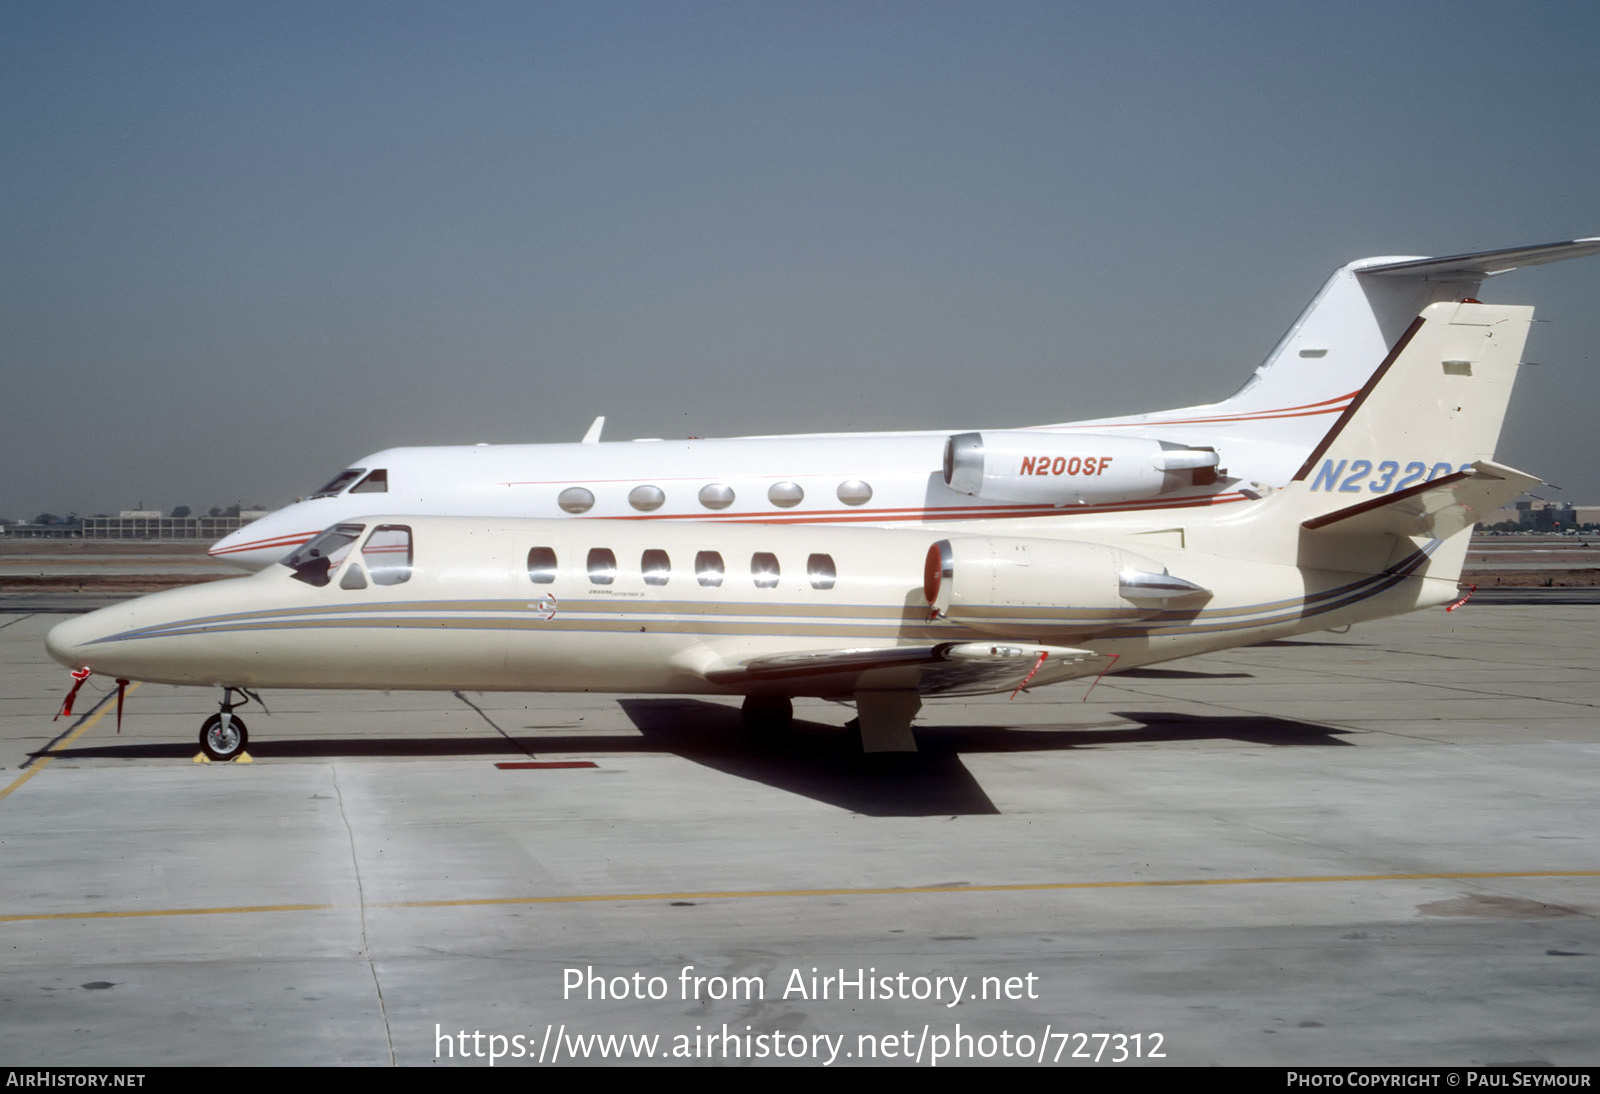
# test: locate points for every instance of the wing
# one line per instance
(945, 668)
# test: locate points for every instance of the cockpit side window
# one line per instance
(388, 554)
(340, 481)
(315, 562)
(376, 482)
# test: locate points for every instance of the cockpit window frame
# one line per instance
(376, 482)
(337, 484)
(315, 563)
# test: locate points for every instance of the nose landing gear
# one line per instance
(223, 735)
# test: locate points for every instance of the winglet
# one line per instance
(593, 436)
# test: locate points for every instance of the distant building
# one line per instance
(1543, 516)
(150, 524)
(26, 529)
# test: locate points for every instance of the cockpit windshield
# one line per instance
(316, 561)
(339, 482)
(375, 483)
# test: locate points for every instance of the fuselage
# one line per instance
(883, 480)
(402, 602)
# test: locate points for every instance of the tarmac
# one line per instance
(1369, 848)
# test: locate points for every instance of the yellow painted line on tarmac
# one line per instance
(44, 761)
(1037, 887)
(768, 894)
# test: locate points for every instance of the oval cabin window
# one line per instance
(575, 499)
(646, 498)
(716, 496)
(785, 495)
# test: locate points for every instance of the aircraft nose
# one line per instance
(68, 640)
(230, 545)
(227, 543)
(262, 542)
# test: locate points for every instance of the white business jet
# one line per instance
(1194, 457)
(1374, 522)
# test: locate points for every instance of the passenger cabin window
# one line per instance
(541, 565)
(575, 499)
(821, 571)
(716, 495)
(785, 495)
(315, 562)
(854, 492)
(657, 567)
(602, 566)
(375, 483)
(646, 498)
(764, 568)
(339, 482)
(388, 554)
(708, 569)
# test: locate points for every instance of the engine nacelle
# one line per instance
(1013, 585)
(1071, 468)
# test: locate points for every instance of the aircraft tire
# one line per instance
(767, 713)
(220, 746)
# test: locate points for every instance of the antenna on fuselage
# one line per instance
(593, 436)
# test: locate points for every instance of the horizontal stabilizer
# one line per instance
(945, 668)
(1439, 509)
(1481, 264)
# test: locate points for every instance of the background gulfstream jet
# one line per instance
(1189, 457)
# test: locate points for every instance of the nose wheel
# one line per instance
(223, 735)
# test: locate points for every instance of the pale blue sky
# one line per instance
(245, 244)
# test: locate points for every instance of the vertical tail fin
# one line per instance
(1364, 309)
(1434, 406)
(1409, 462)
(1328, 356)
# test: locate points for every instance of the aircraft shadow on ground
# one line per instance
(1179, 674)
(1299, 643)
(816, 761)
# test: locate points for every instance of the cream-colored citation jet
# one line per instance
(1373, 522)
(1220, 455)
